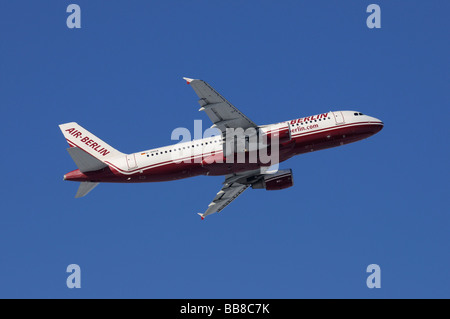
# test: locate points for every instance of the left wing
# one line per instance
(222, 113)
(234, 185)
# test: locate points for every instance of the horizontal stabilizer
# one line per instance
(85, 188)
(84, 161)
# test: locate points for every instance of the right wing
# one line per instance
(222, 113)
(234, 185)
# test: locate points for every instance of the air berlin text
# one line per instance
(89, 142)
(309, 118)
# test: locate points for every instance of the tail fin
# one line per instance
(88, 152)
(78, 137)
(85, 188)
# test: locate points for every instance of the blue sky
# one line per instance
(380, 201)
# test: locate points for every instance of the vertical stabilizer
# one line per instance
(77, 136)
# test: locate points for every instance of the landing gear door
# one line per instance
(339, 117)
(131, 161)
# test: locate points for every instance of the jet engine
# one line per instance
(279, 180)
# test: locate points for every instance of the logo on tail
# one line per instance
(87, 140)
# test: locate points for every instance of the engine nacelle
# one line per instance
(279, 180)
(278, 133)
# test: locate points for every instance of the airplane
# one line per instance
(98, 162)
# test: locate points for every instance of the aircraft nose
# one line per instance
(380, 126)
(376, 124)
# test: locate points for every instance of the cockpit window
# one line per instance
(361, 114)
(356, 114)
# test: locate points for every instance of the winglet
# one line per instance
(188, 80)
(201, 215)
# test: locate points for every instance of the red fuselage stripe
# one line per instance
(192, 157)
